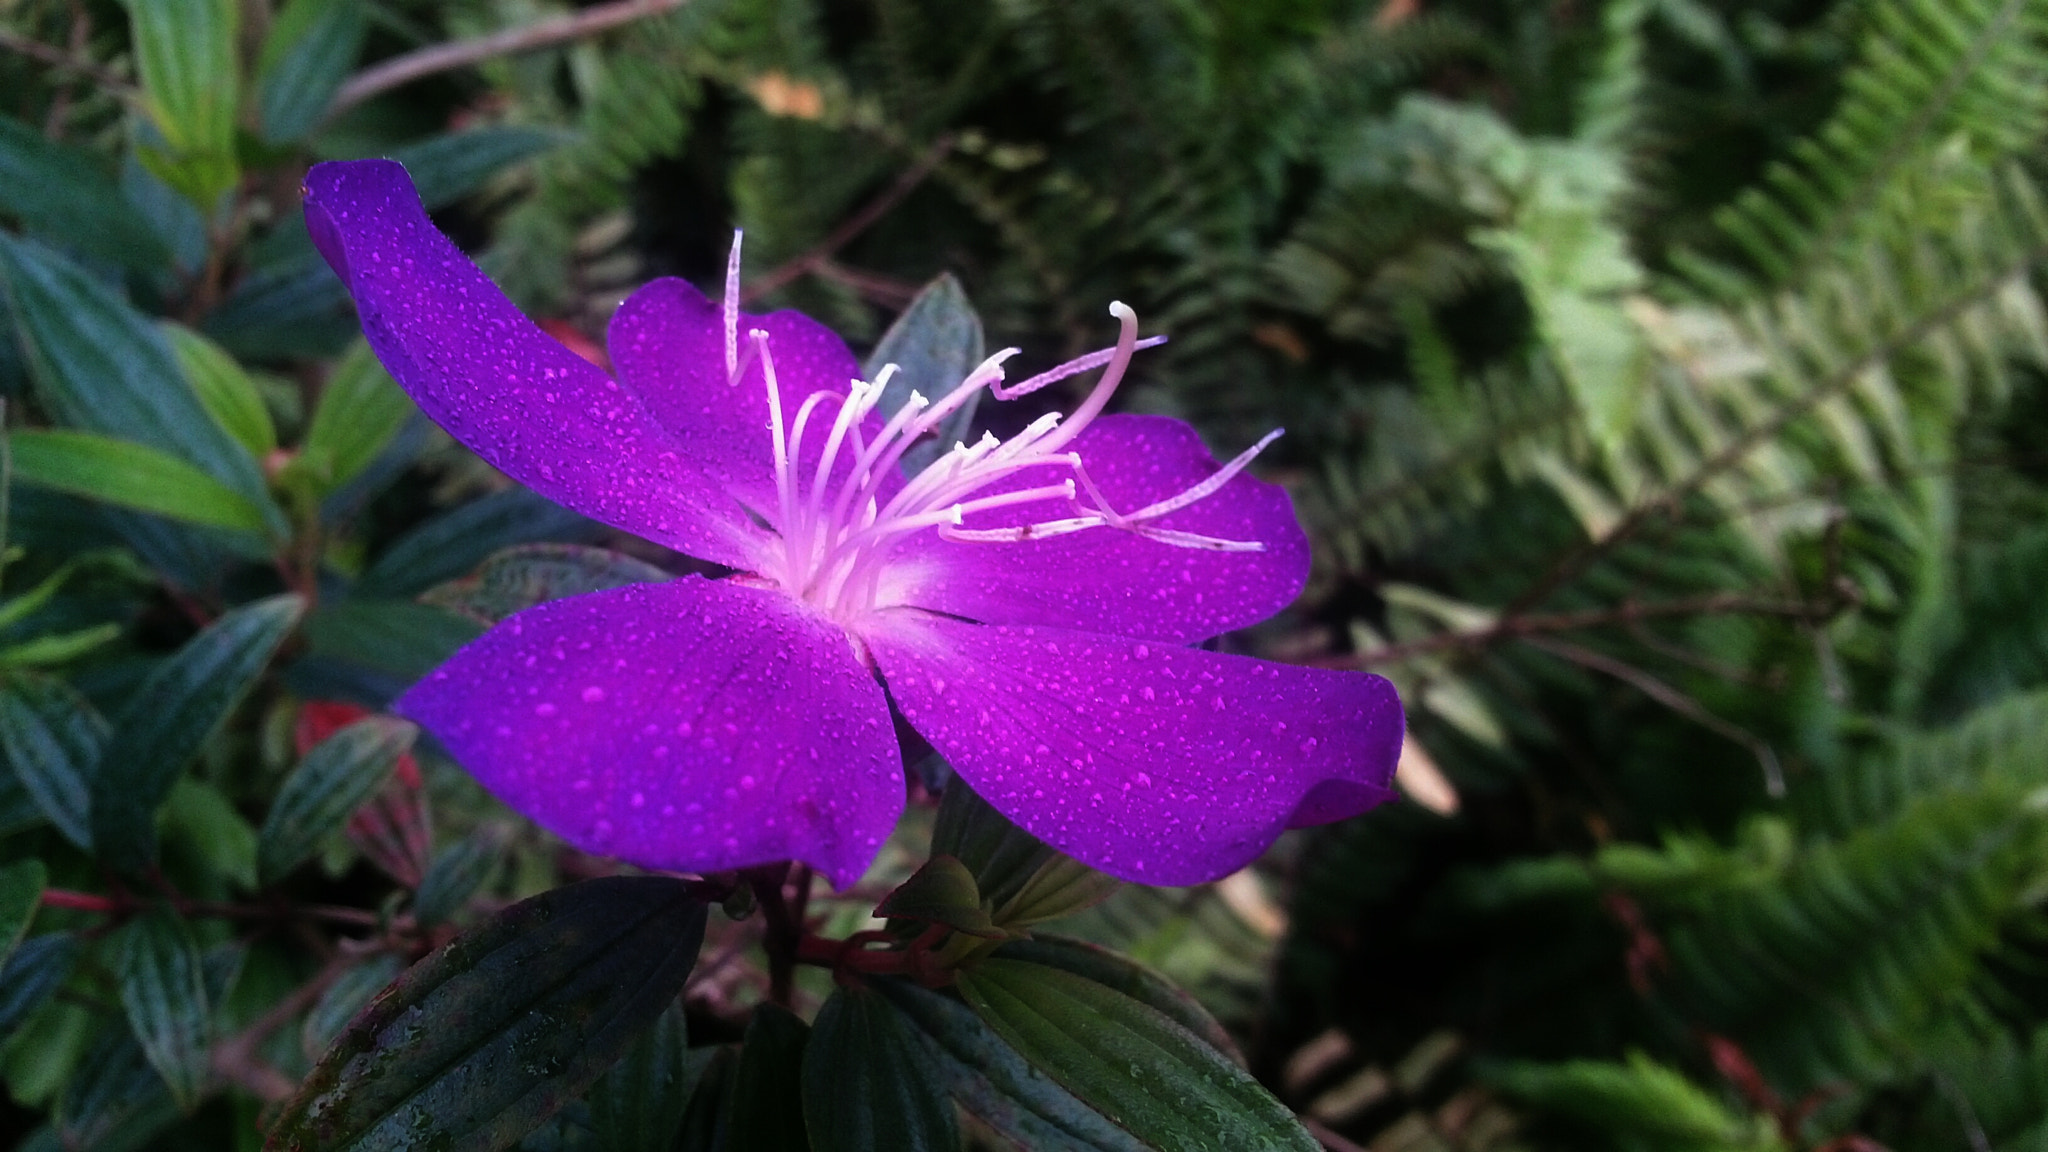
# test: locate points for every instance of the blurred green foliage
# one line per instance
(1664, 390)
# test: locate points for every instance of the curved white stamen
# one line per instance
(1072, 367)
(732, 310)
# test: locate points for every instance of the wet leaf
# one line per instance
(163, 990)
(1129, 1061)
(343, 999)
(455, 542)
(764, 1114)
(338, 776)
(638, 1106)
(486, 1038)
(519, 578)
(865, 1088)
(1127, 976)
(1062, 886)
(457, 872)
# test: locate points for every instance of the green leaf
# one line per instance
(704, 1121)
(101, 366)
(21, 893)
(404, 638)
(53, 740)
(992, 1081)
(1125, 975)
(62, 195)
(163, 990)
(36, 969)
(865, 1088)
(343, 999)
(310, 49)
(224, 390)
(333, 780)
(519, 578)
(457, 872)
(934, 344)
(360, 409)
(200, 819)
(489, 1036)
(455, 542)
(61, 648)
(171, 715)
(1002, 856)
(1062, 886)
(638, 1106)
(185, 50)
(941, 892)
(130, 475)
(764, 1115)
(1129, 1061)
(446, 168)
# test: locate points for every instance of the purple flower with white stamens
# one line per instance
(1027, 602)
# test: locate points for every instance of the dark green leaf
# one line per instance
(53, 740)
(171, 715)
(1125, 975)
(115, 1101)
(447, 168)
(288, 306)
(163, 989)
(519, 578)
(455, 542)
(62, 195)
(1002, 856)
(865, 1088)
(1062, 886)
(202, 823)
(457, 872)
(401, 637)
(38, 967)
(21, 892)
(186, 52)
(764, 1114)
(333, 780)
(310, 49)
(934, 344)
(360, 409)
(484, 1039)
(705, 1120)
(992, 1081)
(343, 999)
(226, 392)
(638, 1106)
(941, 892)
(115, 471)
(1129, 1061)
(100, 366)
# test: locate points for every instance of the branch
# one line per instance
(57, 57)
(401, 70)
(821, 255)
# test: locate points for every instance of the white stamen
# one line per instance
(732, 310)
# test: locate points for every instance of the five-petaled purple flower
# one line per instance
(1027, 603)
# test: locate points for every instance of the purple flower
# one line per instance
(1027, 603)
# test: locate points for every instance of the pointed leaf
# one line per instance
(185, 50)
(21, 892)
(941, 892)
(486, 1038)
(934, 344)
(638, 1106)
(360, 409)
(39, 966)
(53, 739)
(865, 1088)
(991, 1080)
(455, 542)
(224, 389)
(343, 999)
(764, 1112)
(1125, 975)
(446, 168)
(130, 475)
(62, 195)
(171, 715)
(309, 50)
(1129, 1061)
(163, 989)
(335, 778)
(1061, 887)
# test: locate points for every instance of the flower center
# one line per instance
(838, 530)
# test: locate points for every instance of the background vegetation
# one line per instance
(1664, 392)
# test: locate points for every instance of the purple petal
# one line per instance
(694, 726)
(667, 342)
(1159, 764)
(1111, 581)
(497, 383)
